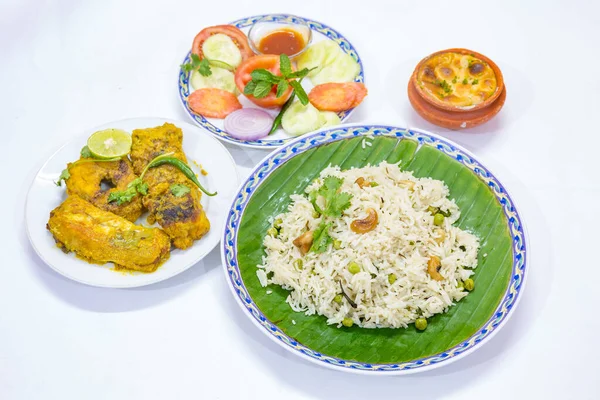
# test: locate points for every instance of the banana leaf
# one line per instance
(481, 214)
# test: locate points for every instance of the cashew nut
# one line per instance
(367, 224)
(441, 235)
(304, 241)
(361, 182)
(433, 267)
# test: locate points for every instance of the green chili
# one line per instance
(286, 105)
(182, 166)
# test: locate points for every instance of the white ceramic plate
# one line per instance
(44, 196)
(320, 32)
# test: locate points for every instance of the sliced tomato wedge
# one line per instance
(238, 37)
(213, 103)
(269, 62)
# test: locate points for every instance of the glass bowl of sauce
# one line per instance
(274, 37)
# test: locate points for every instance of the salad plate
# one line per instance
(487, 211)
(319, 32)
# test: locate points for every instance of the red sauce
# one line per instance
(284, 41)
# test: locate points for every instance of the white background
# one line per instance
(66, 66)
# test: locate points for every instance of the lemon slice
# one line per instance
(109, 143)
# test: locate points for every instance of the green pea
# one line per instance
(392, 278)
(438, 219)
(469, 284)
(338, 298)
(374, 184)
(298, 264)
(460, 285)
(353, 268)
(412, 242)
(272, 231)
(277, 223)
(421, 323)
(337, 244)
(347, 322)
(316, 214)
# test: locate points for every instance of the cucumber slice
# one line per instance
(220, 79)
(221, 47)
(299, 119)
(343, 69)
(329, 118)
(318, 55)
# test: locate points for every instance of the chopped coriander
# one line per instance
(179, 189)
(475, 81)
(64, 175)
(465, 81)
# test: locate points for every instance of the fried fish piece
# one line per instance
(86, 179)
(180, 215)
(99, 236)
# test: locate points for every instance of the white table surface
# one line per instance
(69, 65)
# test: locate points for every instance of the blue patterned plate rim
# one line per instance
(276, 158)
(332, 34)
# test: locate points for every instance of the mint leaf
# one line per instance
(282, 86)
(262, 89)
(249, 88)
(300, 93)
(262, 74)
(321, 238)
(179, 189)
(300, 74)
(285, 66)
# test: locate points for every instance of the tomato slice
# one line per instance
(213, 103)
(332, 97)
(269, 62)
(238, 37)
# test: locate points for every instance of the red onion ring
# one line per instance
(248, 124)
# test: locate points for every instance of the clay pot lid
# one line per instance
(434, 101)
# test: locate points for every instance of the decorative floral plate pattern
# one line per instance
(185, 87)
(300, 145)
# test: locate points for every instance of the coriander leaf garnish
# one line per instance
(179, 189)
(335, 203)
(321, 238)
(197, 64)
(204, 68)
(64, 175)
(475, 81)
(133, 188)
(86, 153)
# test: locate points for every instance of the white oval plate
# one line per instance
(44, 196)
(320, 32)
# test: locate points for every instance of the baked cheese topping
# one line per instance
(458, 80)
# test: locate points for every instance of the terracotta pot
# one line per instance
(448, 115)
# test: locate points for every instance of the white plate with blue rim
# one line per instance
(202, 150)
(319, 32)
(487, 210)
